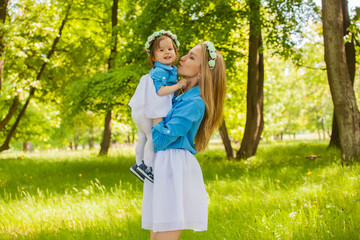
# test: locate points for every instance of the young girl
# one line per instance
(153, 97)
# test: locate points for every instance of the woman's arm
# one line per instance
(181, 121)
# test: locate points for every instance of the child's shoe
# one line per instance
(134, 170)
(146, 171)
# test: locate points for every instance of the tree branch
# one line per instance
(322, 69)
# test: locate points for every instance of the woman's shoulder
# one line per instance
(195, 102)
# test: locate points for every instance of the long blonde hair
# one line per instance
(212, 84)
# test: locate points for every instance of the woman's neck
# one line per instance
(193, 82)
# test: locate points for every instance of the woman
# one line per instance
(178, 195)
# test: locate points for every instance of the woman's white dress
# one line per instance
(177, 199)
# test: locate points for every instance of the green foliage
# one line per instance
(297, 95)
(104, 91)
(75, 87)
(283, 23)
(277, 194)
(38, 124)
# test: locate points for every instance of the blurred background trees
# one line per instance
(86, 77)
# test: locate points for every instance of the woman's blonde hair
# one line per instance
(212, 85)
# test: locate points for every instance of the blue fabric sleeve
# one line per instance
(179, 124)
(159, 77)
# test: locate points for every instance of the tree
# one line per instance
(105, 144)
(3, 10)
(284, 21)
(346, 110)
(11, 112)
(255, 93)
(15, 104)
(11, 133)
(350, 61)
(226, 141)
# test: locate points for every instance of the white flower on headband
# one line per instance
(152, 37)
(212, 64)
(212, 53)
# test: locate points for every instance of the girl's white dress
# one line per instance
(145, 100)
(177, 199)
(145, 105)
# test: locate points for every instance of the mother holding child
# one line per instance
(175, 120)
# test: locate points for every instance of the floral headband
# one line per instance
(212, 53)
(151, 39)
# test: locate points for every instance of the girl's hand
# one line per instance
(182, 83)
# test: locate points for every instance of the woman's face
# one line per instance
(189, 65)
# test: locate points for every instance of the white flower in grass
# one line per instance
(292, 215)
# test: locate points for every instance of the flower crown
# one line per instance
(212, 53)
(151, 39)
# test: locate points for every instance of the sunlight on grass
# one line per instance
(278, 194)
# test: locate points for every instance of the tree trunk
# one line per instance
(114, 23)
(346, 110)
(6, 143)
(254, 115)
(323, 128)
(76, 142)
(105, 144)
(3, 9)
(351, 61)
(230, 154)
(27, 146)
(11, 112)
(91, 143)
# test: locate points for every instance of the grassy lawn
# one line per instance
(279, 194)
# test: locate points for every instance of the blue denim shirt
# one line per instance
(163, 75)
(179, 127)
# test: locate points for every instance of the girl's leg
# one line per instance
(170, 235)
(152, 235)
(149, 151)
(140, 146)
(149, 145)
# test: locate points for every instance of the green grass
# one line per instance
(278, 194)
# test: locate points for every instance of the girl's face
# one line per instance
(165, 53)
(189, 65)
